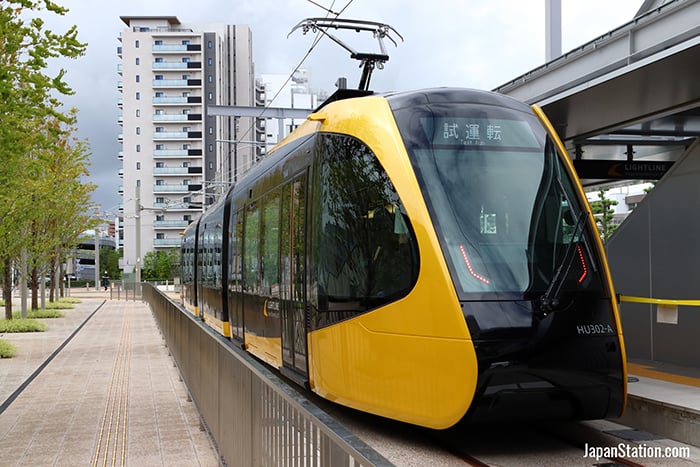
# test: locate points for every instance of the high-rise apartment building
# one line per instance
(176, 160)
(289, 92)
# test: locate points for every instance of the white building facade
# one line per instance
(293, 92)
(177, 160)
(626, 198)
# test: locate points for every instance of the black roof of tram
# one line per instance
(402, 99)
(405, 99)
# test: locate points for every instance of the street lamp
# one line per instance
(137, 211)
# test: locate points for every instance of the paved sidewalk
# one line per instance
(112, 396)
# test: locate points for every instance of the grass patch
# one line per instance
(59, 305)
(7, 350)
(44, 313)
(22, 325)
(70, 300)
(62, 303)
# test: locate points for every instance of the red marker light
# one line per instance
(583, 265)
(470, 268)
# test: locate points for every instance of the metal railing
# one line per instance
(659, 301)
(253, 416)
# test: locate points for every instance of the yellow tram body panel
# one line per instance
(222, 327)
(428, 381)
(192, 309)
(413, 359)
(268, 349)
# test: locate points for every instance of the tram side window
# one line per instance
(217, 270)
(211, 258)
(293, 239)
(285, 229)
(184, 262)
(251, 261)
(203, 245)
(367, 253)
(298, 238)
(189, 263)
(199, 265)
(269, 243)
(206, 258)
(235, 264)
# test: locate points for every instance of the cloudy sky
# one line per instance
(469, 43)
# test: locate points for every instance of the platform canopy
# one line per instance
(627, 103)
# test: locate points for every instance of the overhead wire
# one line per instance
(317, 39)
(324, 8)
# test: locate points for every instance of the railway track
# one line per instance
(590, 443)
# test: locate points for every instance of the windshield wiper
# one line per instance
(550, 300)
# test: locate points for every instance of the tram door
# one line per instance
(293, 271)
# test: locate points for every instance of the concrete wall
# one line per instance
(654, 253)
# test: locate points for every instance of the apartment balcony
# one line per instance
(171, 153)
(120, 85)
(176, 48)
(176, 153)
(177, 206)
(176, 135)
(120, 155)
(177, 170)
(178, 100)
(120, 68)
(171, 224)
(120, 172)
(176, 188)
(176, 83)
(119, 51)
(166, 242)
(176, 65)
(177, 117)
(120, 102)
(120, 190)
(120, 137)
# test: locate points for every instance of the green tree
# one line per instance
(109, 261)
(29, 110)
(603, 211)
(60, 203)
(161, 265)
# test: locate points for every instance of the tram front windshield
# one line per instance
(504, 207)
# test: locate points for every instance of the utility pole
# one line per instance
(97, 251)
(137, 210)
(552, 29)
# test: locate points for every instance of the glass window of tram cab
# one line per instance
(504, 206)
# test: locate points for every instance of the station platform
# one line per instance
(111, 394)
(664, 399)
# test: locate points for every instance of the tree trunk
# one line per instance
(61, 275)
(52, 267)
(34, 280)
(7, 287)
